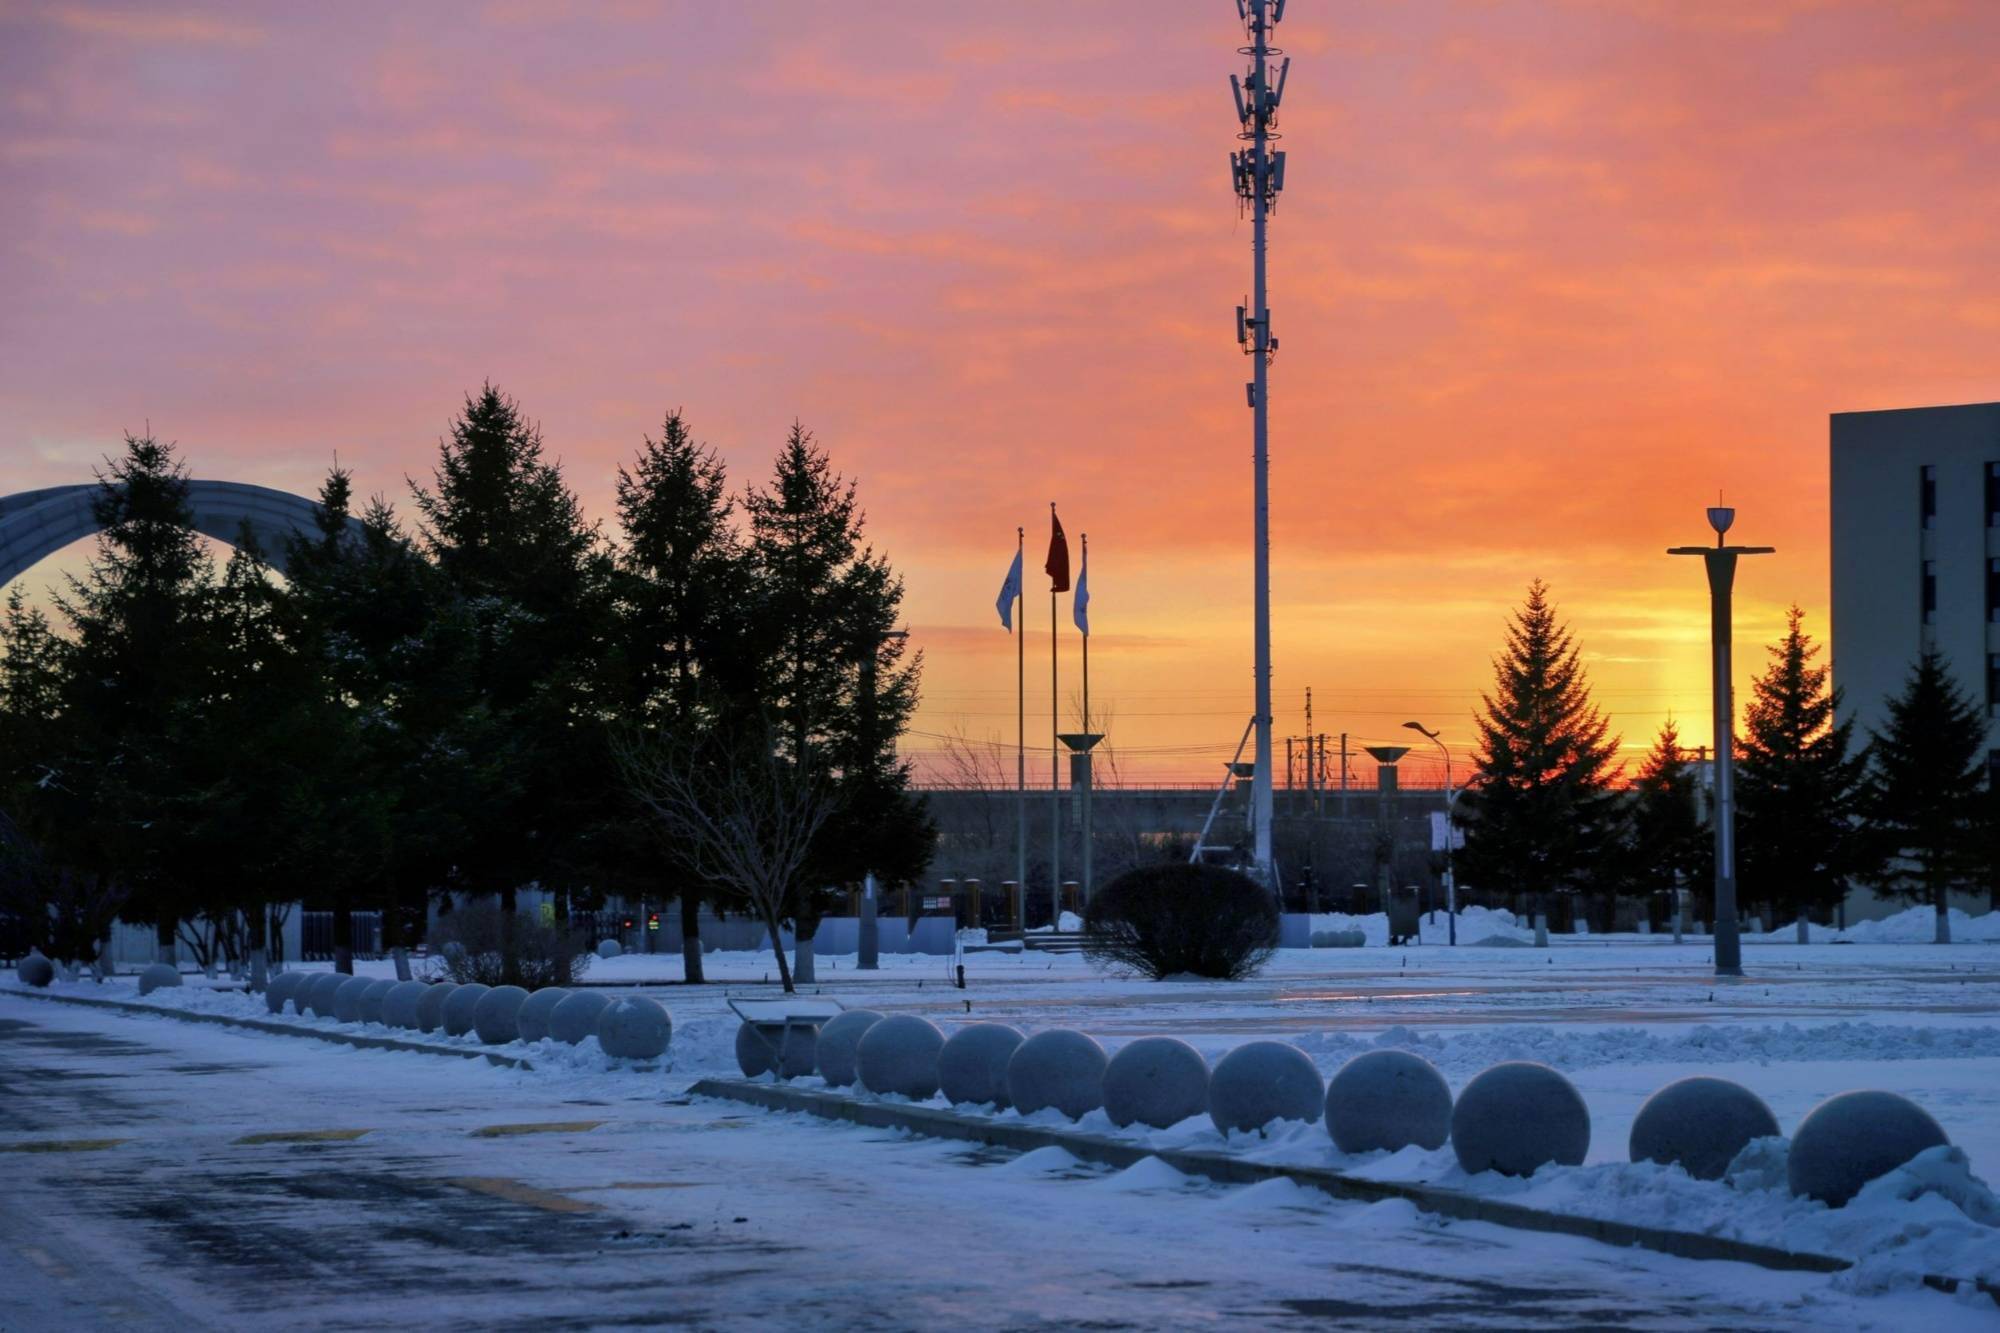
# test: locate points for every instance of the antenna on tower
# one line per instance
(1257, 174)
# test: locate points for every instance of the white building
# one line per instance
(1916, 563)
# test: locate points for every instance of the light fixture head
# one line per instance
(1720, 517)
(1420, 727)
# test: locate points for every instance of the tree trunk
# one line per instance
(260, 972)
(164, 936)
(691, 939)
(778, 948)
(392, 932)
(802, 957)
(510, 962)
(343, 936)
(1940, 898)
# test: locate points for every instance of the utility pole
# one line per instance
(1258, 172)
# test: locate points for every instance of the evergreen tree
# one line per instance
(1797, 788)
(680, 587)
(822, 608)
(512, 549)
(1925, 799)
(1541, 814)
(136, 625)
(1669, 842)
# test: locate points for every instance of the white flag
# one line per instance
(1080, 606)
(1010, 592)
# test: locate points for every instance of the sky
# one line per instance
(1547, 276)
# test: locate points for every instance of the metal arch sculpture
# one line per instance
(34, 524)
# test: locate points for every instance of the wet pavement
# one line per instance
(167, 1176)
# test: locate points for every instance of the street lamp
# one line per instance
(1450, 883)
(1721, 563)
(869, 930)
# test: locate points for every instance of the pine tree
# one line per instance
(136, 628)
(1797, 788)
(1540, 815)
(823, 608)
(1669, 842)
(1925, 800)
(679, 587)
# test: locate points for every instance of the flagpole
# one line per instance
(1021, 741)
(1055, 759)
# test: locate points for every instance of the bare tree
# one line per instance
(735, 812)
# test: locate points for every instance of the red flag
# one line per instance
(1057, 567)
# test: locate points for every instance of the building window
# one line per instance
(1930, 592)
(1993, 495)
(1993, 590)
(1927, 494)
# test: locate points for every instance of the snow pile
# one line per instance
(1912, 925)
(1474, 924)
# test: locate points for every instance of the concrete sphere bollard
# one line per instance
(753, 1050)
(158, 975)
(1700, 1124)
(347, 999)
(609, 948)
(493, 1014)
(399, 1006)
(972, 1067)
(319, 993)
(372, 998)
(1262, 1081)
(531, 1021)
(900, 1055)
(1385, 1101)
(575, 1017)
(1156, 1081)
(35, 970)
(1060, 1068)
(634, 1028)
(430, 1005)
(1850, 1139)
(460, 1006)
(281, 988)
(1517, 1117)
(834, 1049)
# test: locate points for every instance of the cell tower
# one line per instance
(1258, 171)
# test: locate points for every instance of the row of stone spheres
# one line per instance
(631, 1028)
(1512, 1118)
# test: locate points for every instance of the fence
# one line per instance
(317, 939)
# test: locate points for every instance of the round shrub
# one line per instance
(399, 1006)
(1174, 919)
(157, 975)
(609, 948)
(1700, 1124)
(493, 1015)
(531, 1022)
(347, 999)
(1384, 1101)
(972, 1067)
(481, 944)
(281, 988)
(900, 1055)
(634, 1028)
(430, 1005)
(372, 998)
(1262, 1081)
(754, 1047)
(834, 1051)
(1517, 1117)
(319, 992)
(575, 1017)
(1156, 1081)
(1060, 1068)
(35, 970)
(460, 1008)
(1851, 1139)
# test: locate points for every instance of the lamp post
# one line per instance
(869, 944)
(1721, 563)
(1450, 883)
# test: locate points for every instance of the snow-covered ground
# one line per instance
(1621, 1016)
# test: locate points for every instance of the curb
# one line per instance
(1234, 1170)
(282, 1029)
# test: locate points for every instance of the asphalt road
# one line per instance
(160, 1175)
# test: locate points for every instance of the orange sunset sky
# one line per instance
(1546, 276)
